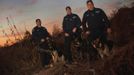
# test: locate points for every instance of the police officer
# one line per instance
(71, 25)
(39, 35)
(96, 24)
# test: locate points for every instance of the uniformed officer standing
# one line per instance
(96, 24)
(71, 25)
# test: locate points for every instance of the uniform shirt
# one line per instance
(95, 20)
(39, 33)
(70, 22)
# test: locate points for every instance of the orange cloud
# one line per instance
(2, 41)
(11, 40)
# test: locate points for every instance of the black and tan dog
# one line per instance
(95, 49)
(49, 53)
(102, 49)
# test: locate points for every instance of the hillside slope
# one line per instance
(22, 58)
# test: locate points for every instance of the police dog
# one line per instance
(48, 48)
(101, 48)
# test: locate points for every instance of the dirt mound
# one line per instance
(121, 63)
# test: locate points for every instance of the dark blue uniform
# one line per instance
(96, 20)
(69, 23)
(97, 23)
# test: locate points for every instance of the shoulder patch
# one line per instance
(87, 15)
(74, 17)
(97, 11)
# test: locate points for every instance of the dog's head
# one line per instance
(96, 43)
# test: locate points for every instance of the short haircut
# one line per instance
(68, 7)
(89, 1)
(38, 20)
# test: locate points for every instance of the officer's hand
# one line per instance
(42, 40)
(66, 34)
(87, 32)
(47, 38)
(74, 30)
(109, 30)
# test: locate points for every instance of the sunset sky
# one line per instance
(24, 12)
